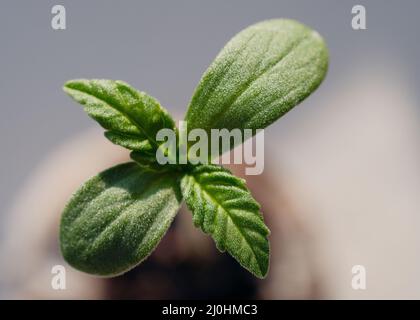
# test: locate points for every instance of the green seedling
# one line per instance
(117, 218)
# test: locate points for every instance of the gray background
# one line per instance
(161, 47)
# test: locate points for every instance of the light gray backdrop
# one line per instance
(161, 47)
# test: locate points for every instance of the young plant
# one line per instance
(117, 218)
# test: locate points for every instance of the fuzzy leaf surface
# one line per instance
(131, 118)
(222, 206)
(259, 75)
(117, 218)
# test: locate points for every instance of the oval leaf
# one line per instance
(261, 73)
(132, 118)
(222, 206)
(117, 218)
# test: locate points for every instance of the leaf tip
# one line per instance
(263, 269)
(71, 85)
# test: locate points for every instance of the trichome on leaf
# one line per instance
(117, 218)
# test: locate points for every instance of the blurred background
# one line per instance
(341, 185)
